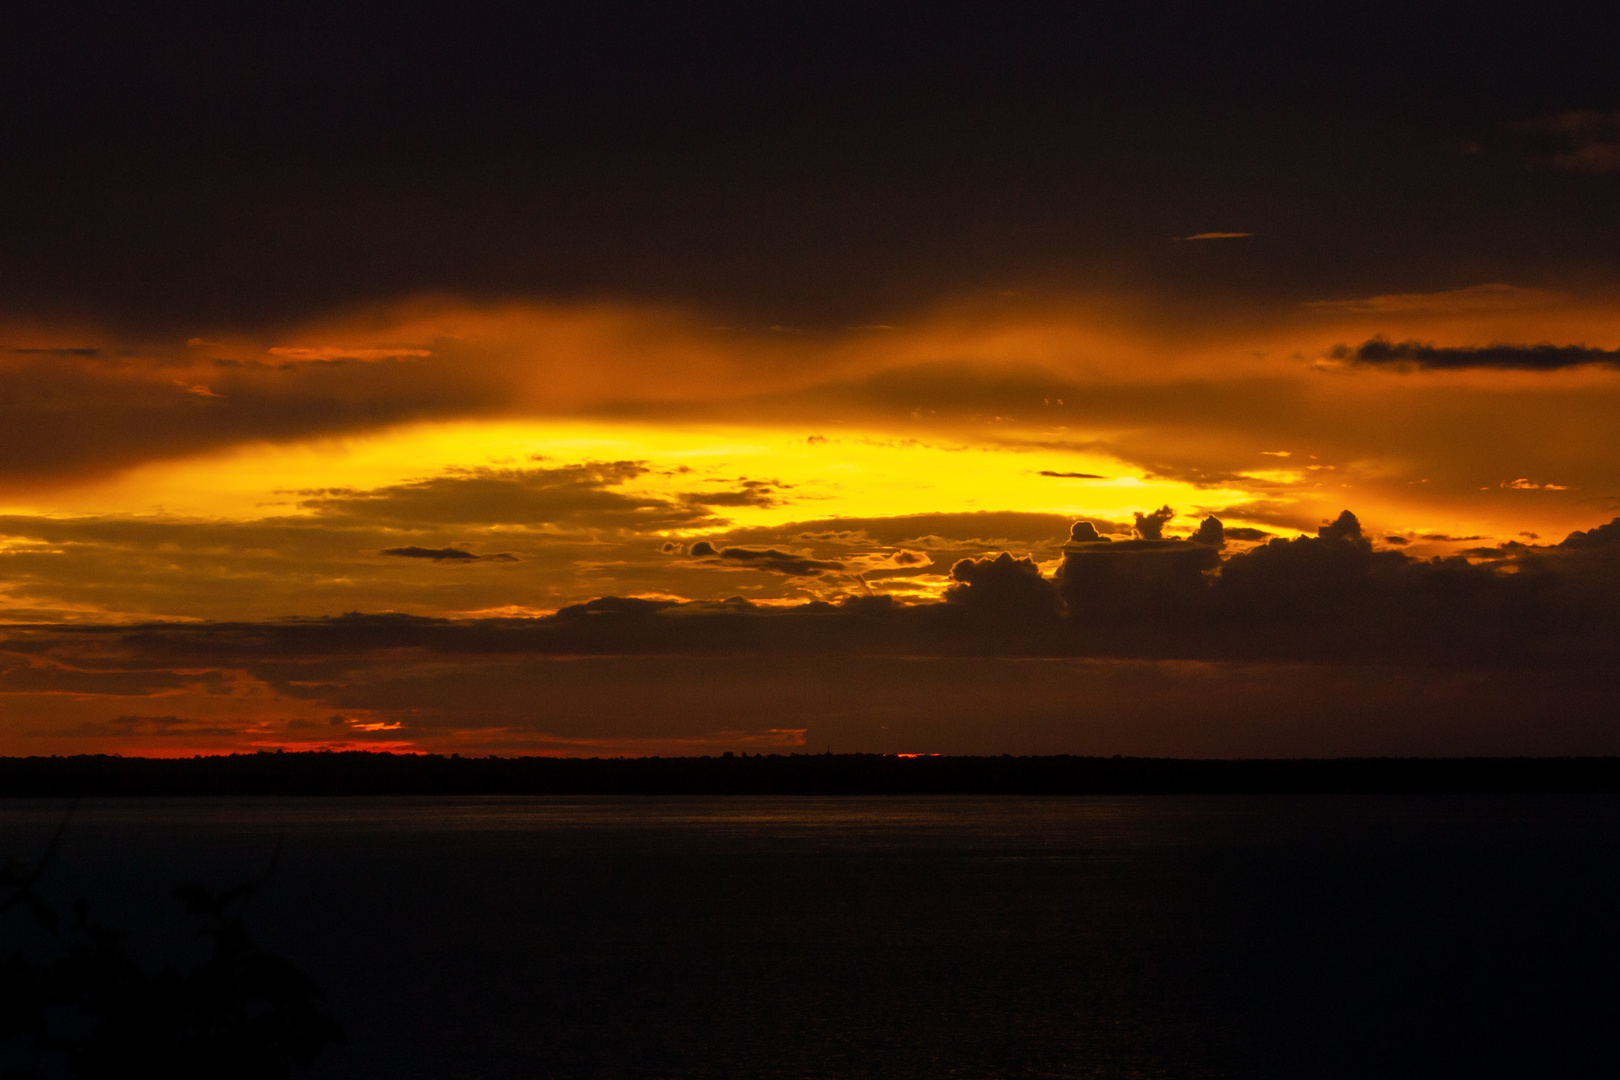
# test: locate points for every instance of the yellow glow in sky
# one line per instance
(831, 473)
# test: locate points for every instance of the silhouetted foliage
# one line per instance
(90, 1010)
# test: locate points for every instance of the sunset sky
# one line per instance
(668, 379)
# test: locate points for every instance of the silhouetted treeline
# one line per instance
(362, 773)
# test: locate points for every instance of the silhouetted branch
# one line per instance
(92, 1011)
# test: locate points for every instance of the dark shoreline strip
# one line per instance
(360, 773)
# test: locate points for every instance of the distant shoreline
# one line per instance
(363, 773)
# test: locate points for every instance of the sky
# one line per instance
(626, 379)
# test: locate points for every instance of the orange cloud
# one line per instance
(428, 415)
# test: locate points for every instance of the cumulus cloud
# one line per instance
(1150, 526)
(1211, 533)
(1604, 537)
(1004, 585)
(1110, 586)
(1334, 595)
(1346, 529)
(1085, 532)
(1422, 356)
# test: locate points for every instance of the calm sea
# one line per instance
(1234, 936)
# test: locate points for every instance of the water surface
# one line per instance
(1230, 936)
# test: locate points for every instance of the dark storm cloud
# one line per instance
(1408, 355)
(792, 163)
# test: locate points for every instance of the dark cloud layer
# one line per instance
(768, 559)
(1380, 352)
(1585, 140)
(1005, 586)
(1327, 597)
(984, 528)
(84, 412)
(747, 493)
(564, 495)
(1604, 537)
(436, 554)
(1320, 644)
(791, 163)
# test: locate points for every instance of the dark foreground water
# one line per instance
(1232, 936)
